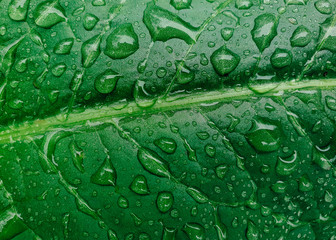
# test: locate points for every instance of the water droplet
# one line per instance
(53, 96)
(317, 126)
(264, 30)
(197, 195)
(301, 37)
(234, 122)
(164, 25)
(98, 3)
(123, 202)
(183, 73)
(194, 231)
(328, 197)
(112, 235)
(161, 72)
(243, 4)
(139, 185)
(221, 171)
(21, 65)
(77, 156)
(227, 33)
(210, 150)
(122, 42)
(40, 79)
(3, 30)
(64, 46)
(106, 175)
(106, 82)
(169, 234)
(142, 65)
(265, 211)
(180, 4)
(296, 2)
(168, 145)
(286, 166)
(85, 208)
(328, 35)
(15, 104)
(305, 185)
(36, 37)
(281, 58)
(220, 227)
(203, 135)
(190, 151)
(164, 201)
(320, 160)
(264, 137)
(58, 69)
(153, 163)
(90, 21)
(78, 11)
(252, 232)
(76, 81)
(323, 6)
(331, 103)
(224, 61)
(17, 9)
(204, 60)
(142, 98)
(279, 187)
(91, 51)
(48, 14)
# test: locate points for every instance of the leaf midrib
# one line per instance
(94, 117)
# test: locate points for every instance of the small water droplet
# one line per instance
(197, 195)
(164, 201)
(58, 69)
(139, 185)
(168, 145)
(279, 187)
(305, 185)
(331, 103)
(183, 73)
(21, 65)
(243, 4)
(77, 156)
(153, 163)
(17, 9)
(106, 82)
(90, 21)
(194, 231)
(281, 58)
(227, 33)
(98, 3)
(180, 4)
(91, 51)
(323, 6)
(221, 171)
(123, 202)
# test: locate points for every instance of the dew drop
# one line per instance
(323, 6)
(106, 82)
(64, 46)
(164, 201)
(227, 33)
(90, 21)
(106, 175)
(91, 51)
(264, 30)
(183, 73)
(301, 37)
(286, 166)
(58, 69)
(305, 185)
(17, 9)
(224, 61)
(21, 65)
(48, 14)
(139, 185)
(180, 4)
(328, 35)
(153, 163)
(168, 145)
(331, 103)
(243, 4)
(77, 156)
(194, 231)
(281, 58)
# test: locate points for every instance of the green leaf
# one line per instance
(180, 119)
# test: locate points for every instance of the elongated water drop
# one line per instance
(64, 46)
(77, 156)
(58, 69)
(91, 51)
(123, 202)
(139, 185)
(106, 175)
(21, 65)
(281, 58)
(264, 30)
(264, 137)
(85, 208)
(169, 234)
(252, 232)
(224, 61)
(106, 82)
(90, 21)
(328, 35)
(286, 166)
(168, 145)
(98, 3)
(153, 163)
(301, 37)
(180, 4)
(164, 25)
(197, 195)
(48, 14)
(194, 231)
(122, 42)
(243, 4)
(17, 9)
(323, 6)
(164, 201)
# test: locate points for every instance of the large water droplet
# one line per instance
(227, 33)
(323, 6)
(328, 35)
(64, 46)
(17, 9)
(106, 175)
(264, 30)
(194, 231)
(90, 21)
(210, 150)
(123, 202)
(153, 163)
(106, 82)
(164, 201)
(296, 2)
(264, 137)
(48, 14)
(122, 42)
(169, 234)
(91, 51)
(279, 187)
(252, 232)
(183, 73)
(85, 208)
(77, 156)
(305, 185)
(180, 4)
(168, 145)
(221, 171)
(197, 195)
(281, 58)
(139, 185)
(224, 61)
(58, 69)
(164, 25)
(142, 98)
(301, 37)
(331, 103)
(21, 65)
(286, 166)
(243, 4)
(98, 3)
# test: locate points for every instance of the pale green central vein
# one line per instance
(104, 114)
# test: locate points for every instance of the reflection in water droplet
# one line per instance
(164, 25)
(139, 185)
(106, 175)
(164, 201)
(281, 58)
(227, 33)
(194, 231)
(91, 51)
(183, 73)
(64, 46)
(122, 42)
(90, 21)
(77, 156)
(17, 9)
(286, 166)
(323, 6)
(106, 82)
(58, 69)
(168, 145)
(264, 30)
(301, 37)
(48, 14)
(224, 61)
(153, 163)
